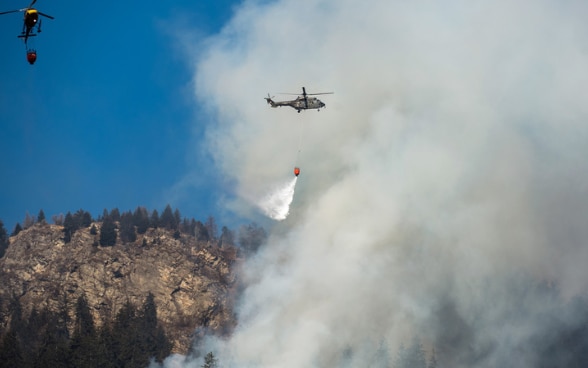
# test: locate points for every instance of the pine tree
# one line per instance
(152, 338)
(11, 350)
(382, 356)
(125, 338)
(433, 360)
(127, 229)
(210, 361)
(4, 240)
(108, 232)
(201, 232)
(167, 219)
(29, 221)
(149, 314)
(17, 229)
(185, 227)
(154, 221)
(30, 333)
(69, 227)
(82, 219)
(227, 237)
(115, 214)
(106, 349)
(17, 323)
(87, 219)
(11, 354)
(84, 339)
(211, 227)
(84, 325)
(141, 220)
(41, 216)
(177, 219)
(53, 351)
(61, 320)
(416, 355)
(401, 360)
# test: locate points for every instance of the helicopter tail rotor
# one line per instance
(269, 100)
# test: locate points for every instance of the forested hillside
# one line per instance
(116, 290)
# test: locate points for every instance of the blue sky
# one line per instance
(105, 117)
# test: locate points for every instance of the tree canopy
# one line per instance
(3, 239)
(40, 340)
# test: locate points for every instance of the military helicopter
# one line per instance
(31, 19)
(302, 102)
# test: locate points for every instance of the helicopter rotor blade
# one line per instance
(11, 11)
(304, 94)
(308, 94)
(46, 15)
(305, 97)
(32, 3)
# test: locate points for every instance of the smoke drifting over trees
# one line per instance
(444, 189)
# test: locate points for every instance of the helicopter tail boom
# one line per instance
(270, 101)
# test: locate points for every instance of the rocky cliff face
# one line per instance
(191, 281)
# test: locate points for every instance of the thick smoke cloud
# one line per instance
(443, 186)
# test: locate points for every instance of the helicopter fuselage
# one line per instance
(31, 17)
(300, 103)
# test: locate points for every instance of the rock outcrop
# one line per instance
(191, 281)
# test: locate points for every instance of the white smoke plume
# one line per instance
(444, 181)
